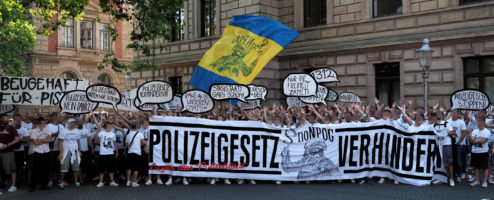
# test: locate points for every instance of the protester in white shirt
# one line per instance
(480, 157)
(133, 142)
(460, 129)
(108, 152)
(86, 149)
(70, 154)
(54, 127)
(444, 131)
(40, 137)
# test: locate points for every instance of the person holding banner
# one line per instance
(480, 157)
(460, 129)
(108, 152)
(70, 152)
(444, 131)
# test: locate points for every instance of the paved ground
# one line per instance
(262, 191)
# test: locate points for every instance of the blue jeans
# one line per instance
(461, 160)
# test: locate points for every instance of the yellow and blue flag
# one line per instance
(248, 43)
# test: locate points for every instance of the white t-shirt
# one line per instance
(84, 133)
(135, 147)
(95, 142)
(442, 131)
(145, 132)
(120, 138)
(69, 138)
(458, 126)
(106, 143)
(53, 128)
(479, 135)
(22, 133)
(489, 121)
(414, 128)
(27, 126)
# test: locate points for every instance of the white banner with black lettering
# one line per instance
(193, 147)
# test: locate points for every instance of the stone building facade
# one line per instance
(371, 44)
(75, 50)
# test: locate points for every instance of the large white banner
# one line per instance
(36, 91)
(193, 147)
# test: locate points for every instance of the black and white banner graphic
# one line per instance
(193, 147)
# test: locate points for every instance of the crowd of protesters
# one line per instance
(39, 151)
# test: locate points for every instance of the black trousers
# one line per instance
(40, 169)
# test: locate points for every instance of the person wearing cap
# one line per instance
(70, 152)
(108, 152)
(444, 131)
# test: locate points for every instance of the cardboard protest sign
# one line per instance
(229, 91)
(294, 102)
(324, 75)
(154, 92)
(469, 99)
(349, 97)
(257, 92)
(76, 102)
(332, 95)
(321, 94)
(251, 104)
(299, 85)
(36, 91)
(197, 101)
(104, 94)
(6, 108)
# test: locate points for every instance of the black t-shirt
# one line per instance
(7, 135)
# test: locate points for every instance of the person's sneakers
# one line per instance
(458, 179)
(77, 184)
(451, 182)
(61, 186)
(50, 183)
(491, 180)
(463, 176)
(240, 181)
(12, 189)
(134, 184)
(185, 182)
(227, 182)
(169, 181)
(471, 179)
(436, 182)
(159, 181)
(128, 184)
(278, 182)
(148, 182)
(484, 184)
(252, 182)
(212, 182)
(307, 182)
(113, 184)
(361, 181)
(100, 184)
(475, 183)
(381, 180)
(396, 182)
(352, 181)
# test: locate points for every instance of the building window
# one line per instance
(86, 35)
(314, 12)
(176, 83)
(68, 33)
(388, 83)
(104, 37)
(208, 17)
(387, 7)
(177, 30)
(104, 79)
(478, 74)
(68, 75)
(463, 2)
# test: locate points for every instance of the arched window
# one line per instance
(104, 79)
(68, 75)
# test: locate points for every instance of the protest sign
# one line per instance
(104, 94)
(324, 75)
(321, 94)
(294, 102)
(174, 104)
(6, 108)
(36, 91)
(197, 101)
(299, 85)
(192, 147)
(469, 99)
(154, 92)
(257, 92)
(76, 102)
(229, 91)
(349, 97)
(332, 95)
(251, 104)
